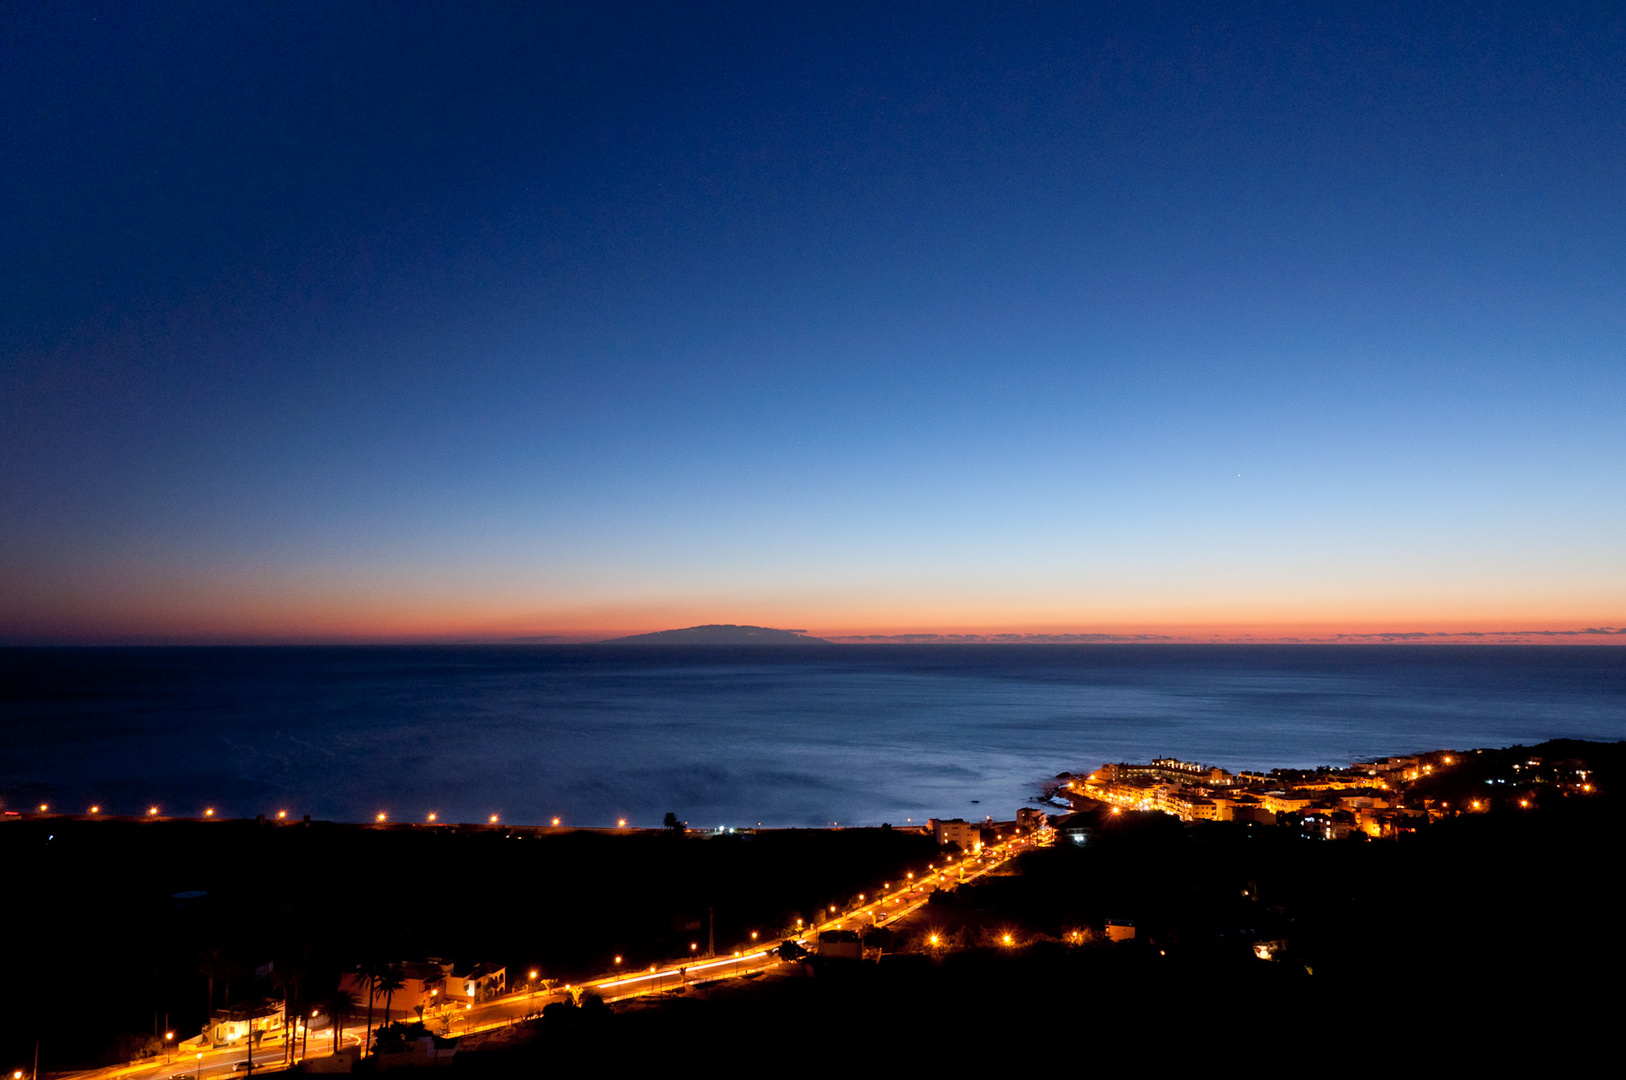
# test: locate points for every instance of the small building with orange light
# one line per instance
(228, 1027)
(966, 834)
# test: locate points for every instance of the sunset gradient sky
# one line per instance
(415, 321)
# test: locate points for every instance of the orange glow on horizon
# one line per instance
(1568, 632)
(360, 615)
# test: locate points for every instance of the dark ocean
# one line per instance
(723, 735)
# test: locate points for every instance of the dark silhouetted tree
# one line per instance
(212, 963)
(389, 981)
(373, 973)
(341, 1006)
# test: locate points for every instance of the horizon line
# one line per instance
(1598, 635)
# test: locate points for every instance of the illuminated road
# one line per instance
(884, 909)
(224, 1061)
(881, 910)
(214, 1062)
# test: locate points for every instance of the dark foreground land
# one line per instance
(112, 926)
(1491, 935)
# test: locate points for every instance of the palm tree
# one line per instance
(232, 967)
(212, 961)
(341, 1006)
(288, 979)
(391, 980)
(373, 973)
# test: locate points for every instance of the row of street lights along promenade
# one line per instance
(382, 817)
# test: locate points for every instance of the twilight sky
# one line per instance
(379, 321)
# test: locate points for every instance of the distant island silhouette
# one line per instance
(720, 634)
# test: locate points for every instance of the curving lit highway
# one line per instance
(895, 902)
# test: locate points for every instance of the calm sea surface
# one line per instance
(796, 736)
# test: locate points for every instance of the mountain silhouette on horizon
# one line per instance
(720, 634)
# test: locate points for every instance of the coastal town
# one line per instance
(1377, 799)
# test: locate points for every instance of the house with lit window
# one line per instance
(966, 834)
(481, 982)
(228, 1027)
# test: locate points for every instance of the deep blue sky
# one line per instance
(380, 320)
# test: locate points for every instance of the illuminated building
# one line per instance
(229, 1026)
(967, 834)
